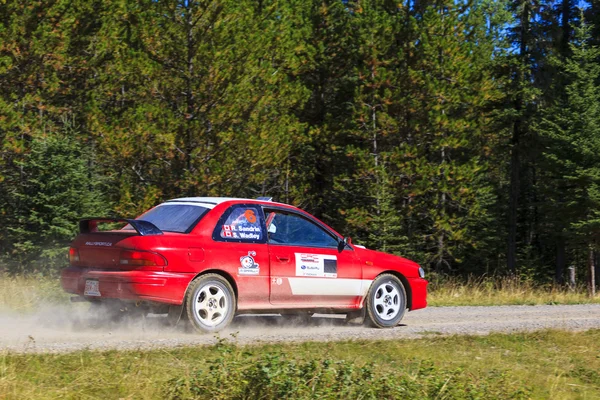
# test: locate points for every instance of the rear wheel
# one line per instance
(210, 303)
(386, 302)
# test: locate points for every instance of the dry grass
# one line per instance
(489, 291)
(27, 293)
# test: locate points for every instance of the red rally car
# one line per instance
(212, 258)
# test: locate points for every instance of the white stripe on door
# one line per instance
(329, 287)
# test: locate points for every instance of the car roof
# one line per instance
(211, 202)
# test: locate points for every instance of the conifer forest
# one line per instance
(462, 134)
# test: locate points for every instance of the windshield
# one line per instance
(174, 217)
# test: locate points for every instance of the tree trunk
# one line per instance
(566, 27)
(189, 99)
(515, 166)
(597, 268)
(559, 272)
(441, 238)
(515, 158)
(591, 273)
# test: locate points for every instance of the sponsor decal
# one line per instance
(243, 228)
(105, 244)
(250, 216)
(316, 265)
(277, 281)
(329, 287)
(238, 228)
(248, 265)
(241, 232)
(251, 236)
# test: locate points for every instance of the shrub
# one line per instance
(238, 374)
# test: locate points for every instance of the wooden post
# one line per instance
(591, 273)
(571, 277)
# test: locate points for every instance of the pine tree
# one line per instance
(418, 182)
(200, 98)
(59, 189)
(327, 73)
(450, 194)
(43, 78)
(572, 131)
(368, 186)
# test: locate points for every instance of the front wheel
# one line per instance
(386, 302)
(210, 303)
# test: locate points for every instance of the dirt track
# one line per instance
(68, 329)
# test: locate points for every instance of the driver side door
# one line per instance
(307, 270)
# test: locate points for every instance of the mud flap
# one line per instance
(174, 315)
(356, 317)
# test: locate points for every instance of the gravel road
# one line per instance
(68, 329)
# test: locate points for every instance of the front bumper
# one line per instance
(162, 287)
(418, 288)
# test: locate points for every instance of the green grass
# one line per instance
(542, 365)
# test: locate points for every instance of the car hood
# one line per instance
(408, 268)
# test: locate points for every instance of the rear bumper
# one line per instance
(418, 288)
(162, 287)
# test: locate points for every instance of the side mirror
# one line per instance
(272, 228)
(342, 244)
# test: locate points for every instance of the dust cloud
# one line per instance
(72, 327)
(75, 327)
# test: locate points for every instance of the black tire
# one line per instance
(386, 302)
(210, 303)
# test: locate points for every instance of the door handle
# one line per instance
(283, 258)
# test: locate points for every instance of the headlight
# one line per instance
(421, 272)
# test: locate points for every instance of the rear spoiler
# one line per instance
(142, 227)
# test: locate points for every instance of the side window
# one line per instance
(291, 229)
(241, 223)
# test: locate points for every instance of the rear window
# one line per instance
(174, 217)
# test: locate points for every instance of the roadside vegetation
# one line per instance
(547, 364)
(494, 291)
(26, 293)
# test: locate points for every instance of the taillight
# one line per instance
(136, 258)
(73, 255)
